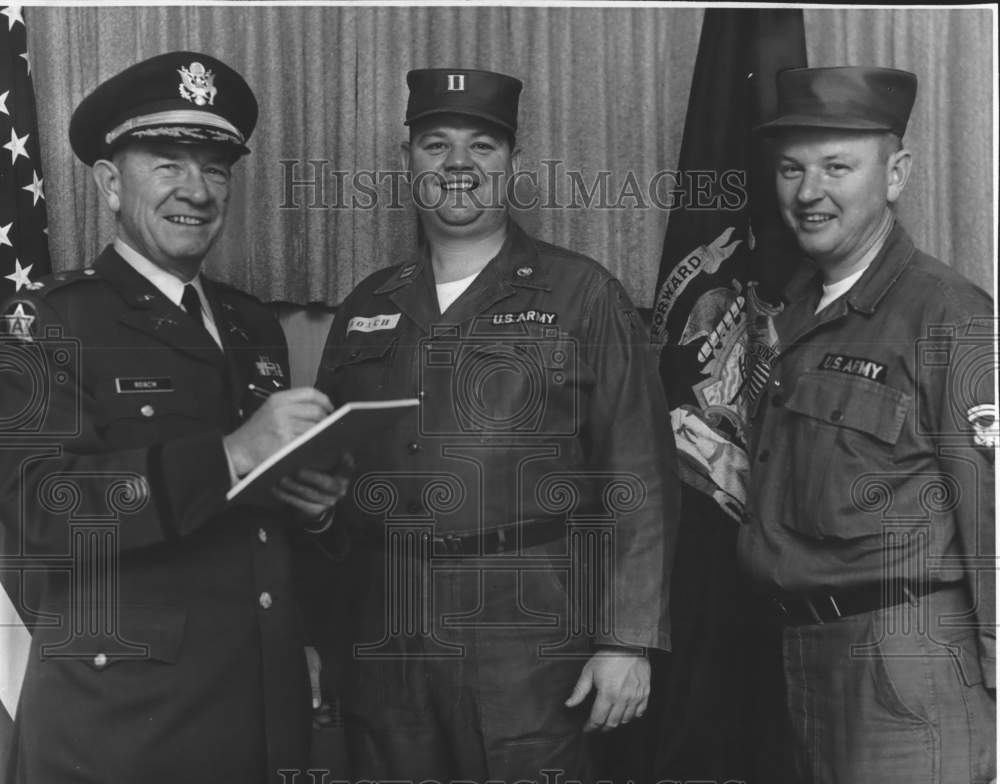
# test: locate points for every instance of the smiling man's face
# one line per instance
(170, 201)
(460, 168)
(835, 188)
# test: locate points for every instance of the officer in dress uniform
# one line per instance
(871, 518)
(135, 393)
(534, 488)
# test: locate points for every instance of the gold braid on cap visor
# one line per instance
(182, 116)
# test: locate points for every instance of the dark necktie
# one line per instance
(192, 304)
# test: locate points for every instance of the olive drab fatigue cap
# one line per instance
(857, 98)
(484, 94)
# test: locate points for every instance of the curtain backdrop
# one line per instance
(606, 90)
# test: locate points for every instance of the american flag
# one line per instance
(24, 249)
(24, 258)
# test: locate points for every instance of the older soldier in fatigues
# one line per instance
(540, 408)
(173, 651)
(871, 523)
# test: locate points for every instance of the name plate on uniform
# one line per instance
(162, 384)
(373, 323)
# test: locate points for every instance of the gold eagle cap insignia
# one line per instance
(198, 84)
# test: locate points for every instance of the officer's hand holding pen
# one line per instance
(281, 417)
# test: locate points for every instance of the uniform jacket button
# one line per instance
(262, 535)
(100, 660)
(836, 415)
(147, 410)
(265, 600)
(413, 447)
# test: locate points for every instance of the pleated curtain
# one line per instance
(602, 114)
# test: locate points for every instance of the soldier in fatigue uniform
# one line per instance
(871, 519)
(157, 389)
(540, 408)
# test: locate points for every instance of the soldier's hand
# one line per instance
(314, 493)
(622, 684)
(283, 416)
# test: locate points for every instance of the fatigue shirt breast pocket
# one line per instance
(843, 430)
(145, 417)
(360, 370)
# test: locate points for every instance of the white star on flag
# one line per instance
(27, 62)
(16, 146)
(35, 189)
(3, 103)
(20, 275)
(5, 235)
(13, 14)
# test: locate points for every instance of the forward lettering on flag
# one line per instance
(24, 258)
(720, 267)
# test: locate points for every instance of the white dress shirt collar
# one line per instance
(169, 285)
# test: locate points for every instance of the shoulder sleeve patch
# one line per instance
(986, 428)
(18, 319)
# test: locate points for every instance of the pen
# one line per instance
(260, 392)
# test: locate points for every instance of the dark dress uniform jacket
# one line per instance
(183, 661)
